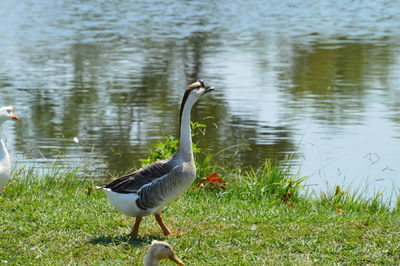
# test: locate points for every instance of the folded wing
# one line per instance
(133, 182)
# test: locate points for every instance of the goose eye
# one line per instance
(8, 111)
(201, 82)
(166, 246)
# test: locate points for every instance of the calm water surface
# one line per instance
(319, 82)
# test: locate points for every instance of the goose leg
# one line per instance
(165, 229)
(135, 230)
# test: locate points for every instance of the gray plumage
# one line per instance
(161, 189)
(155, 182)
(133, 182)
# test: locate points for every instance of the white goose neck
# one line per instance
(149, 260)
(3, 149)
(2, 145)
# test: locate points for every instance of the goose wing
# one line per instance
(133, 182)
(166, 188)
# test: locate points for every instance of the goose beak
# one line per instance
(175, 259)
(14, 117)
(209, 89)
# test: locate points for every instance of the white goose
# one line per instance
(6, 113)
(160, 250)
(147, 190)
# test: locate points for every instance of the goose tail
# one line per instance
(101, 186)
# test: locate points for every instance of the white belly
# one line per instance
(126, 203)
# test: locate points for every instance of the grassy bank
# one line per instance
(254, 217)
(260, 218)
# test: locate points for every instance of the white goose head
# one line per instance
(7, 113)
(160, 250)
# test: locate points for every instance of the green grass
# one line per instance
(58, 219)
(263, 217)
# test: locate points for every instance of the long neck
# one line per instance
(3, 149)
(150, 260)
(185, 139)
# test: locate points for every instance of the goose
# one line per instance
(160, 250)
(147, 190)
(6, 113)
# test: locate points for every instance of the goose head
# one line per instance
(160, 250)
(7, 113)
(198, 89)
(193, 92)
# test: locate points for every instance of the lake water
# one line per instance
(318, 81)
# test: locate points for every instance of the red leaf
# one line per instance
(214, 180)
(213, 176)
